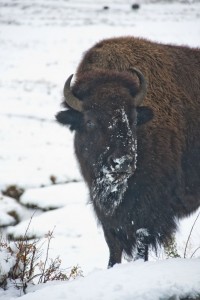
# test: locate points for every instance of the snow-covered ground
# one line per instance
(42, 43)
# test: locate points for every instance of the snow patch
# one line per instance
(11, 211)
(136, 280)
(55, 196)
(7, 261)
(142, 232)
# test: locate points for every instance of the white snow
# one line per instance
(42, 43)
(142, 232)
(7, 207)
(56, 195)
(6, 262)
(138, 280)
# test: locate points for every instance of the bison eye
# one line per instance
(90, 124)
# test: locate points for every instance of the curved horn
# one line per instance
(70, 99)
(138, 99)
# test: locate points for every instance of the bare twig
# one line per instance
(189, 236)
(49, 236)
(25, 234)
(194, 252)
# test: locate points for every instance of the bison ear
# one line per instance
(71, 118)
(144, 115)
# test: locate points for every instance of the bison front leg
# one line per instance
(114, 248)
(142, 242)
(142, 252)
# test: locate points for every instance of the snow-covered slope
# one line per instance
(138, 280)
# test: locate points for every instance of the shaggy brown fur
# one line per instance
(173, 73)
(166, 183)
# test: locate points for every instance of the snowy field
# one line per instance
(41, 44)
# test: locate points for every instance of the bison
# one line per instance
(135, 110)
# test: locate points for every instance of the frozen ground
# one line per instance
(41, 44)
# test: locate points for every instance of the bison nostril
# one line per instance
(112, 162)
(120, 164)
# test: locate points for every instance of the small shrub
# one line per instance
(135, 6)
(14, 214)
(53, 179)
(13, 191)
(21, 264)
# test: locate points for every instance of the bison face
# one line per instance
(106, 137)
(111, 155)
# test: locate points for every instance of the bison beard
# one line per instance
(107, 191)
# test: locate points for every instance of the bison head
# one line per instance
(104, 110)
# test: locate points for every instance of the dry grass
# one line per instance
(25, 266)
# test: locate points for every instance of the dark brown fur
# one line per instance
(166, 183)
